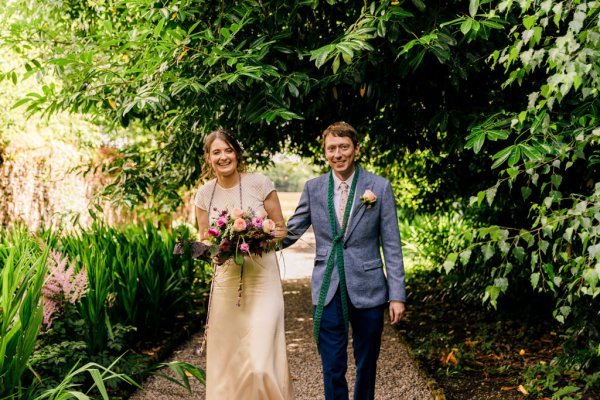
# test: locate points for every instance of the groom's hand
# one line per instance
(396, 311)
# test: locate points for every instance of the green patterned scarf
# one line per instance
(337, 255)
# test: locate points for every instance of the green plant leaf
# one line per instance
(535, 279)
(473, 6)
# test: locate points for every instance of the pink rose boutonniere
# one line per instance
(368, 198)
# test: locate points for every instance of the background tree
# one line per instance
(277, 72)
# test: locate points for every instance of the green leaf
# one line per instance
(321, 55)
(515, 156)
(465, 256)
(529, 21)
(556, 180)
(490, 194)
(336, 64)
(448, 266)
(568, 235)
(381, 29)
(531, 152)
(99, 382)
(519, 253)
(293, 89)
(465, 27)
(480, 197)
(535, 278)
(419, 4)
(594, 251)
(566, 390)
(501, 156)
(491, 293)
(501, 283)
(494, 24)
(475, 140)
(473, 6)
(525, 192)
(488, 252)
(239, 258)
(478, 143)
(543, 245)
(549, 269)
(61, 62)
(21, 102)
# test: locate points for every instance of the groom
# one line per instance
(353, 214)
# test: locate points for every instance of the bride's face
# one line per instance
(223, 159)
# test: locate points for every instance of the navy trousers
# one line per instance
(367, 327)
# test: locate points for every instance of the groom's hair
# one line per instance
(341, 129)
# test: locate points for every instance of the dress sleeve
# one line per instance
(200, 198)
(268, 186)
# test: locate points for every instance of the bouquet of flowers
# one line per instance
(236, 233)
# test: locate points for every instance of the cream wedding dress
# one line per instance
(246, 356)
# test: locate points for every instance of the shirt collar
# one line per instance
(337, 181)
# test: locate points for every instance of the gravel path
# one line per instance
(398, 376)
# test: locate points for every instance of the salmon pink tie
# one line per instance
(343, 201)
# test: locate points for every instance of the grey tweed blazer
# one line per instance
(371, 232)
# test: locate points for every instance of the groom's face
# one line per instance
(340, 153)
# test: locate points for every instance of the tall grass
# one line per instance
(22, 274)
(134, 279)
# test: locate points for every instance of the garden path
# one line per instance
(399, 378)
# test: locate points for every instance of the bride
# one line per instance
(246, 351)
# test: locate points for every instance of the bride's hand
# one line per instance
(219, 260)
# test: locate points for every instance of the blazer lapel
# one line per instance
(357, 208)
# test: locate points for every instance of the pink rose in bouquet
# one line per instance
(245, 248)
(239, 225)
(236, 213)
(213, 232)
(257, 222)
(268, 225)
(221, 221)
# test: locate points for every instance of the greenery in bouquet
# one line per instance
(236, 233)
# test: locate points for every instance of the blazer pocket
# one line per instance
(370, 265)
(321, 255)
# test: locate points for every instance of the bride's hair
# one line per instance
(228, 137)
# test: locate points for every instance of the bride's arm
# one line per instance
(202, 218)
(273, 209)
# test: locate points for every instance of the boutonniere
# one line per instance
(368, 198)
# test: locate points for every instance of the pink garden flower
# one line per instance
(221, 221)
(257, 222)
(368, 198)
(239, 225)
(62, 286)
(214, 232)
(236, 213)
(245, 248)
(268, 225)
(261, 213)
